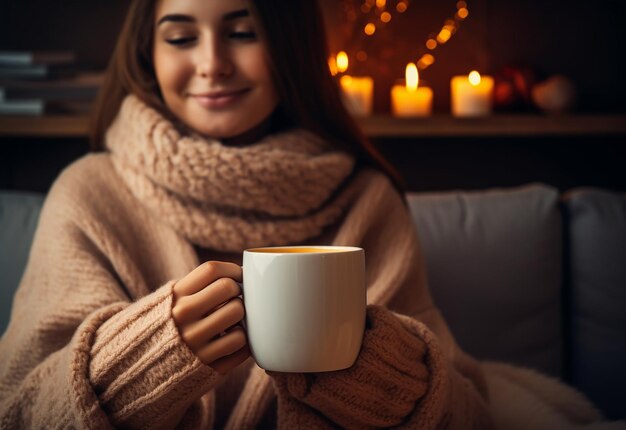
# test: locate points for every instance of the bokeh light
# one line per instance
(444, 35)
(474, 77)
(342, 61)
(425, 61)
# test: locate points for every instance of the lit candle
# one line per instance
(471, 95)
(342, 61)
(358, 94)
(410, 99)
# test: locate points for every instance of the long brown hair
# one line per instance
(130, 70)
(295, 37)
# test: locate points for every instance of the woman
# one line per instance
(218, 129)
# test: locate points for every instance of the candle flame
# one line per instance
(474, 78)
(342, 61)
(412, 77)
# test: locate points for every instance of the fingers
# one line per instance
(207, 312)
(192, 308)
(218, 321)
(205, 274)
(226, 364)
(229, 343)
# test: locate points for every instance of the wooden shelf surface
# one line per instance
(44, 126)
(521, 125)
(377, 126)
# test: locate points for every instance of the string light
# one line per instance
(425, 61)
(383, 14)
(370, 29)
(449, 28)
(444, 35)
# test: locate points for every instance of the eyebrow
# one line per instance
(176, 18)
(187, 18)
(236, 14)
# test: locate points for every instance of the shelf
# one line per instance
(379, 126)
(45, 126)
(521, 125)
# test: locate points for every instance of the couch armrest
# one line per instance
(19, 214)
(596, 300)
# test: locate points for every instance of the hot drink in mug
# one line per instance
(305, 306)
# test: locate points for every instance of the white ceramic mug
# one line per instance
(305, 306)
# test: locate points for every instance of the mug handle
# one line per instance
(243, 321)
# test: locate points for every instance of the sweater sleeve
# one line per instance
(140, 368)
(80, 353)
(400, 379)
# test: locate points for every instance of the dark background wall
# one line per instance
(582, 40)
(584, 43)
(87, 27)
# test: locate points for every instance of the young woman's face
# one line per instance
(211, 66)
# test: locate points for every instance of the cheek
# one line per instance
(256, 67)
(170, 73)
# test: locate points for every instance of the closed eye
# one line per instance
(243, 35)
(181, 41)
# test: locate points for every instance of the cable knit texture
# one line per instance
(391, 365)
(225, 197)
(92, 343)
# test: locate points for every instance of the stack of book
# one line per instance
(49, 82)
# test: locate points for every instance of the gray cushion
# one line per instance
(19, 213)
(597, 300)
(494, 267)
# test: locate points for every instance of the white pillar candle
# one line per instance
(358, 94)
(471, 95)
(411, 100)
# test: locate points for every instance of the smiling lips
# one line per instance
(218, 99)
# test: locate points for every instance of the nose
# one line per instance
(214, 60)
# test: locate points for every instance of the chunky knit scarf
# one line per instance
(283, 189)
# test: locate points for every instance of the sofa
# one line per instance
(525, 275)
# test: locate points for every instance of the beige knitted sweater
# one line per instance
(92, 343)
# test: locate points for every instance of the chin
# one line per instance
(220, 130)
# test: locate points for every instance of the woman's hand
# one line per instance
(208, 310)
(381, 389)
